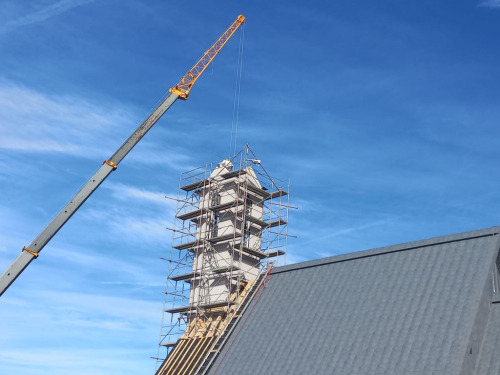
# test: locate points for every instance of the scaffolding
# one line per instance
(230, 228)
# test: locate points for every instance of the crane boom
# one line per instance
(181, 90)
(184, 86)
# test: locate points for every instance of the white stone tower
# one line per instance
(231, 221)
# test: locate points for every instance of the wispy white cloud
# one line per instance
(292, 257)
(12, 235)
(123, 271)
(32, 121)
(13, 143)
(174, 157)
(147, 225)
(145, 229)
(490, 4)
(126, 309)
(43, 13)
(35, 122)
(91, 319)
(317, 236)
(124, 192)
(136, 228)
(75, 360)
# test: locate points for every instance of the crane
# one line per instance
(179, 91)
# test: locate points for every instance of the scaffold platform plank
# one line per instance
(265, 194)
(276, 223)
(224, 237)
(195, 185)
(227, 176)
(257, 221)
(216, 304)
(185, 245)
(227, 205)
(225, 269)
(169, 344)
(276, 194)
(275, 253)
(192, 214)
(182, 309)
(259, 191)
(185, 276)
(206, 306)
(257, 253)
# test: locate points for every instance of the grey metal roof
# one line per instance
(417, 308)
(489, 359)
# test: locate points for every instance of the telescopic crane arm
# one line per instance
(181, 90)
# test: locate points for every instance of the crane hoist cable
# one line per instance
(179, 91)
(237, 95)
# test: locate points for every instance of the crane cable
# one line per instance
(237, 95)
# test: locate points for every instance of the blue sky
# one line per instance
(384, 115)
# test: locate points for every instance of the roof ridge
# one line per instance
(464, 236)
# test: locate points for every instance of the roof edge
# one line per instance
(390, 249)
